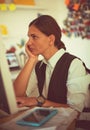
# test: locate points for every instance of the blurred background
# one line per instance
(73, 18)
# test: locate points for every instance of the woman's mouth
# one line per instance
(31, 49)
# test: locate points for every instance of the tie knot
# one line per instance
(43, 66)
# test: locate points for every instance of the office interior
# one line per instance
(15, 21)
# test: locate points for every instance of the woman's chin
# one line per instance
(35, 54)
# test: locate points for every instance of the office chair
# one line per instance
(84, 123)
(84, 120)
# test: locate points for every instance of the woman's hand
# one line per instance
(26, 101)
(29, 53)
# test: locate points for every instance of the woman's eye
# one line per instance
(34, 37)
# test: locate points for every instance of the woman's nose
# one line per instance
(30, 41)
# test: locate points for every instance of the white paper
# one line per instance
(60, 121)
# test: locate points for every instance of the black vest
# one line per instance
(57, 87)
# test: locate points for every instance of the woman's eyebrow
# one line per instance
(34, 35)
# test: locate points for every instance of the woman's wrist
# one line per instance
(32, 61)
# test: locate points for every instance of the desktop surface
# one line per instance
(11, 120)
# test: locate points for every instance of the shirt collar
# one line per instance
(53, 60)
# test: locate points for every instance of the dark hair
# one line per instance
(48, 25)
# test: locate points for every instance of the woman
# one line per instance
(66, 80)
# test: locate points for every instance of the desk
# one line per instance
(10, 117)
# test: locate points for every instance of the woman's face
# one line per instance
(38, 42)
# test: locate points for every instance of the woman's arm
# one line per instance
(32, 101)
(20, 83)
(49, 103)
(77, 84)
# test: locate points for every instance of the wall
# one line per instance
(17, 24)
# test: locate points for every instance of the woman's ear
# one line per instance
(52, 39)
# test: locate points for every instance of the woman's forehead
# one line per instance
(34, 30)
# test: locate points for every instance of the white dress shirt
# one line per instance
(77, 82)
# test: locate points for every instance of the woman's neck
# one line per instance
(50, 53)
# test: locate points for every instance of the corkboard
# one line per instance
(24, 2)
